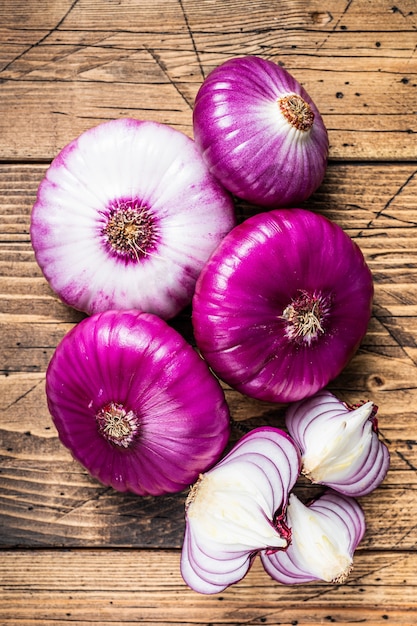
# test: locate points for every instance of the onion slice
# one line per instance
(340, 446)
(234, 510)
(325, 535)
(135, 403)
(126, 216)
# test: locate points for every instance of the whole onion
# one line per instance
(282, 304)
(135, 403)
(237, 508)
(260, 133)
(324, 537)
(126, 216)
(339, 444)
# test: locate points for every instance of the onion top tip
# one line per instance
(126, 216)
(135, 403)
(340, 444)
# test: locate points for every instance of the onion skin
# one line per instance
(325, 535)
(126, 216)
(243, 292)
(231, 512)
(136, 360)
(339, 445)
(245, 139)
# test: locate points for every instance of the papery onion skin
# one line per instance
(246, 140)
(243, 293)
(178, 420)
(325, 535)
(126, 216)
(340, 445)
(234, 509)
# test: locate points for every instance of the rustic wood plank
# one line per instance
(47, 499)
(124, 587)
(65, 67)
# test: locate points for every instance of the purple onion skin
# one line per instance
(138, 361)
(259, 268)
(239, 130)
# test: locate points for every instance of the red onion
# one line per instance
(339, 444)
(325, 535)
(282, 304)
(135, 404)
(236, 509)
(260, 132)
(126, 217)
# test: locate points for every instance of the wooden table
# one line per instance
(74, 551)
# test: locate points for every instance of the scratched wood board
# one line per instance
(73, 550)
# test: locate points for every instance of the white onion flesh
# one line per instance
(230, 513)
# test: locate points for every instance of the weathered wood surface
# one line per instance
(40, 482)
(74, 551)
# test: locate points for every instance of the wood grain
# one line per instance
(73, 551)
(69, 65)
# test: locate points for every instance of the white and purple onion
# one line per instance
(260, 133)
(236, 509)
(135, 403)
(339, 444)
(324, 537)
(126, 216)
(282, 304)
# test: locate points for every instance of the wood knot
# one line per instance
(321, 17)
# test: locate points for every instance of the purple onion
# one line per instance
(340, 446)
(324, 537)
(126, 216)
(260, 133)
(236, 509)
(282, 304)
(135, 403)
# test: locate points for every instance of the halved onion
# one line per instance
(126, 216)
